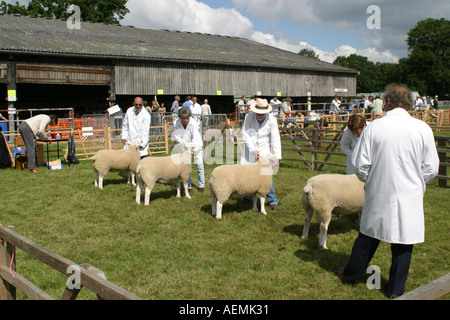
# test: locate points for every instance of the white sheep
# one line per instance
(167, 169)
(331, 193)
(117, 160)
(240, 180)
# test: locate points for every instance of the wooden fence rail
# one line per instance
(89, 277)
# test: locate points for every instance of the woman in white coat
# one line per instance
(396, 156)
(355, 126)
(261, 137)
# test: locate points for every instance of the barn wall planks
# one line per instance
(146, 78)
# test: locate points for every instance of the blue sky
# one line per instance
(329, 27)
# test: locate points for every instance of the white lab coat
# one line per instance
(265, 139)
(348, 143)
(396, 156)
(135, 127)
(185, 137)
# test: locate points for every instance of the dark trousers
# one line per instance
(363, 250)
(30, 144)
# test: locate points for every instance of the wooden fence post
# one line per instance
(166, 136)
(108, 138)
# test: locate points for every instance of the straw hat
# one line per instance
(261, 106)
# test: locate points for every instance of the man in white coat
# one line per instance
(396, 156)
(136, 125)
(261, 137)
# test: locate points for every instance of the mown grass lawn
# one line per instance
(175, 249)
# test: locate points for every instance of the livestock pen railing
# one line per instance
(79, 276)
(317, 143)
(311, 139)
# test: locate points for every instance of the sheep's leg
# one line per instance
(323, 231)
(308, 218)
(255, 205)
(218, 210)
(139, 186)
(178, 183)
(186, 191)
(100, 181)
(96, 179)
(213, 205)
(131, 177)
(148, 191)
(262, 200)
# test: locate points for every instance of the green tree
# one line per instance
(368, 78)
(104, 11)
(309, 53)
(429, 57)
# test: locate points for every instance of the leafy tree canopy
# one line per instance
(309, 53)
(104, 11)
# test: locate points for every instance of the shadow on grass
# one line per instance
(231, 206)
(328, 260)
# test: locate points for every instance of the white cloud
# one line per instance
(186, 15)
(196, 16)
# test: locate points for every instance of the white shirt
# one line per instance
(135, 127)
(275, 107)
(196, 110)
(189, 135)
(265, 139)
(396, 156)
(38, 124)
(335, 106)
(206, 109)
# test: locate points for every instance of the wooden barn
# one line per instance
(50, 65)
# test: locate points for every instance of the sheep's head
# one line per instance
(135, 143)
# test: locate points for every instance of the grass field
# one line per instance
(175, 249)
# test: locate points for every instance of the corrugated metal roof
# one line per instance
(46, 36)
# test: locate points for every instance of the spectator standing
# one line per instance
(377, 107)
(436, 103)
(418, 103)
(334, 108)
(206, 112)
(187, 103)
(196, 110)
(136, 125)
(242, 107)
(396, 157)
(276, 104)
(175, 104)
